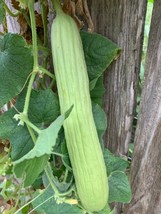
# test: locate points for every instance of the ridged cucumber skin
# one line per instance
(81, 135)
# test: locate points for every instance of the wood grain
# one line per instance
(146, 166)
(122, 21)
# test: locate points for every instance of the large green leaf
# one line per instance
(43, 108)
(99, 53)
(119, 187)
(50, 206)
(114, 163)
(16, 64)
(40, 153)
(2, 12)
(30, 169)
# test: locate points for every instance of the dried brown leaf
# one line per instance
(15, 4)
(23, 24)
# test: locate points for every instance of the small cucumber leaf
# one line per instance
(15, 67)
(119, 187)
(2, 12)
(114, 163)
(40, 153)
(99, 53)
(46, 203)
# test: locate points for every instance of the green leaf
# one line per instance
(114, 163)
(2, 12)
(18, 136)
(50, 206)
(100, 120)
(106, 210)
(98, 91)
(30, 168)
(65, 159)
(119, 187)
(16, 64)
(21, 143)
(99, 53)
(40, 153)
(43, 107)
(61, 186)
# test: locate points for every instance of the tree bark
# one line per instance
(146, 165)
(12, 24)
(122, 21)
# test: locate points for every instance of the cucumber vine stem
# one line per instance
(9, 11)
(34, 33)
(47, 72)
(35, 55)
(57, 6)
(44, 20)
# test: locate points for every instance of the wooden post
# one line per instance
(146, 165)
(122, 21)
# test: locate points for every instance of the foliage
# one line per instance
(142, 67)
(34, 164)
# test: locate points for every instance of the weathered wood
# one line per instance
(12, 24)
(121, 21)
(146, 166)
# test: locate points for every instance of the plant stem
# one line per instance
(52, 84)
(30, 201)
(44, 19)
(58, 154)
(47, 72)
(31, 133)
(65, 175)
(57, 6)
(27, 98)
(34, 33)
(9, 11)
(41, 204)
(50, 180)
(19, 195)
(35, 56)
(32, 126)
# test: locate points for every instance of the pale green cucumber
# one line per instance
(80, 132)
